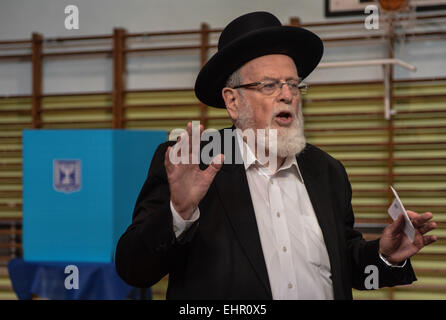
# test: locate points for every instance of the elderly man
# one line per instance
(252, 230)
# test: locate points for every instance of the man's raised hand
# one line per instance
(188, 184)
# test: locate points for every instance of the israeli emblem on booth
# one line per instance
(67, 175)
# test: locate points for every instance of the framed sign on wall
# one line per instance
(338, 8)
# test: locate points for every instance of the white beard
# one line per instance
(290, 140)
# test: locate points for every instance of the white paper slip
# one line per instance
(395, 210)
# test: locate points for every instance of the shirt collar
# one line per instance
(249, 158)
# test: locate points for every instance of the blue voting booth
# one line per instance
(79, 190)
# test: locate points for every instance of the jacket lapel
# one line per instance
(316, 180)
(233, 190)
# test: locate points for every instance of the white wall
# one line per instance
(19, 18)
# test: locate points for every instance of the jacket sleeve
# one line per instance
(147, 250)
(364, 253)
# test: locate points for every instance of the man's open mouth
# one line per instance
(284, 115)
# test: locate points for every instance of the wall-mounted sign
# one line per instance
(337, 8)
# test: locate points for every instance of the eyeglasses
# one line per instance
(269, 87)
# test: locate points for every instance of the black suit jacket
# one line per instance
(220, 256)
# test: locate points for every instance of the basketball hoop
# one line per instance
(398, 16)
(393, 5)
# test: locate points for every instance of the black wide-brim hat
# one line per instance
(251, 36)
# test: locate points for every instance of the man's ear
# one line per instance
(231, 98)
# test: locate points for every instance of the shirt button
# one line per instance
(278, 214)
(271, 181)
(290, 285)
(284, 249)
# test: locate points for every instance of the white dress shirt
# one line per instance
(293, 246)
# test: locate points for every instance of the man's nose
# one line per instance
(285, 94)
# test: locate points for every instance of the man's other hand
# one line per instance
(396, 247)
